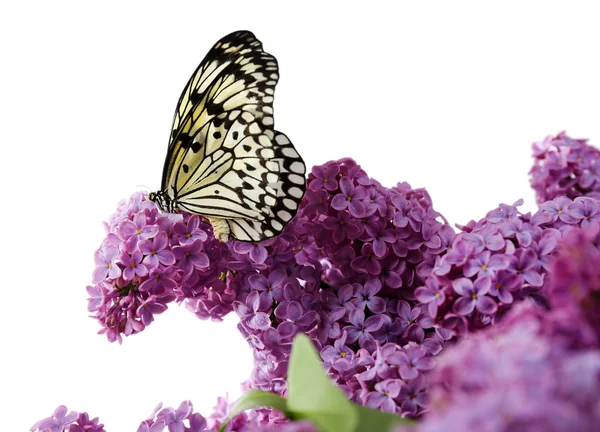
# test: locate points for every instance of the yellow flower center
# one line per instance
(132, 265)
(139, 231)
(343, 354)
(484, 267)
(109, 265)
(348, 198)
(473, 296)
(188, 235)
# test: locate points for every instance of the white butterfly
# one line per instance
(226, 162)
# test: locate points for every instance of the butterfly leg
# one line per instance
(220, 228)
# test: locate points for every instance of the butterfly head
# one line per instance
(162, 200)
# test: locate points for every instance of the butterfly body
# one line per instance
(226, 162)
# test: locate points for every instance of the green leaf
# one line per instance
(372, 420)
(312, 395)
(256, 399)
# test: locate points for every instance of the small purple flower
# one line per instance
(343, 226)
(190, 257)
(367, 262)
(383, 396)
(431, 294)
(524, 263)
(133, 265)
(486, 238)
(504, 284)
(364, 296)
(587, 210)
(350, 197)
(173, 419)
(315, 202)
(473, 295)
(159, 280)
(136, 230)
(413, 396)
(189, 232)
(271, 287)
(486, 264)
(251, 312)
(339, 356)
(411, 360)
(293, 317)
(156, 251)
(325, 177)
(361, 328)
(149, 308)
(408, 318)
(459, 254)
(106, 264)
(57, 422)
(255, 250)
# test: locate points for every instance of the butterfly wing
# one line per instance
(224, 159)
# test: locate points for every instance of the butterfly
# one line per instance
(225, 161)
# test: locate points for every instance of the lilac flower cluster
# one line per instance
(149, 259)
(61, 421)
(344, 272)
(565, 167)
(534, 370)
(501, 259)
(574, 288)
(182, 419)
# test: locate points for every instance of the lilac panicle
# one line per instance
(150, 259)
(565, 167)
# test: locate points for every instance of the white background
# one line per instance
(444, 95)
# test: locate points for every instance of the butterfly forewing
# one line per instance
(225, 160)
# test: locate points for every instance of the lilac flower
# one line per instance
(57, 422)
(190, 256)
(342, 227)
(460, 253)
(252, 312)
(414, 396)
(587, 210)
(136, 230)
(188, 232)
(316, 202)
(271, 287)
(408, 319)
(431, 294)
(133, 265)
(338, 356)
(486, 264)
(106, 264)
(410, 361)
(504, 284)
(364, 296)
(293, 317)
(524, 264)
(380, 238)
(473, 296)
(350, 197)
(256, 251)
(156, 251)
(383, 396)
(325, 177)
(486, 238)
(160, 280)
(360, 329)
(367, 262)
(149, 308)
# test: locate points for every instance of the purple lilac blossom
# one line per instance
(565, 167)
(521, 374)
